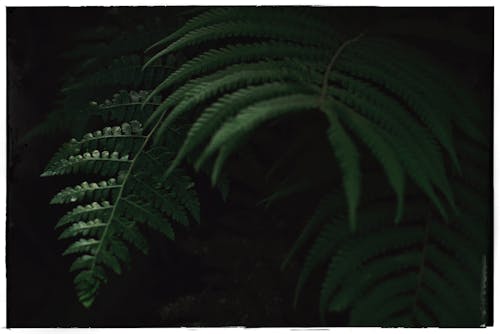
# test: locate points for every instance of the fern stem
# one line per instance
(335, 56)
(110, 136)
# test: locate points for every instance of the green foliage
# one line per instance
(129, 192)
(407, 249)
(378, 96)
(119, 206)
(106, 59)
(350, 82)
(422, 272)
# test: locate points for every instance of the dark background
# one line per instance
(226, 272)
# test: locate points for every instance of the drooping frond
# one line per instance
(420, 273)
(218, 15)
(428, 100)
(200, 90)
(382, 150)
(234, 54)
(376, 94)
(348, 158)
(215, 114)
(423, 272)
(120, 205)
(316, 64)
(421, 156)
(254, 24)
(325, 210)
(254, 115)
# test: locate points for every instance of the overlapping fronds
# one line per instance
(377, 96)
(423, 272)
(420, 273)
(418, 260)
(239, 86)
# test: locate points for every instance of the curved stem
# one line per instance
(330, 66)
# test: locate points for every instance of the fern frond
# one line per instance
(85, 191)
(400, 272)
(89, 228)
(382, 150)
(183, 188)
(422, 152)
(127, 138)
(104, 62)
(98, 162)
(130, 233)
(214, 115)
(197, 92)
(326, 209)
(254, 115)
(215, 59)
(89, 211)
(354, 285)
(82, 246)
(351, 255)
(326, 241)
(136, 210)
(126, 106)
(348, 158)
(200, 20)
(245, 67)
(255, 27)
(218, 15)
(228, 80)
(415, 155)
(225, 151)
(160, 199)
(136, 197)
(419, 176)
(421, 275)
(428, 104)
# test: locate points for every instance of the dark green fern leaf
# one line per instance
(395, 100)
(218, 15)
(237, 72)
(348, 158)
(129, 199)
(381, 149)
